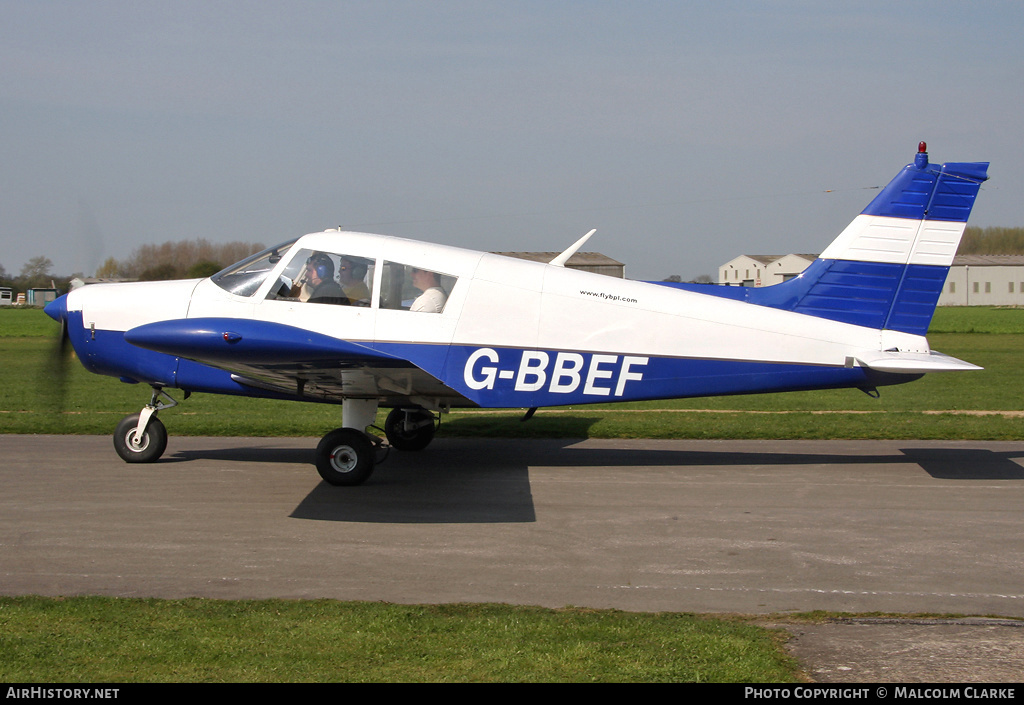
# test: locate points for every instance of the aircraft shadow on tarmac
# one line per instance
(967, 463)
(487, 480)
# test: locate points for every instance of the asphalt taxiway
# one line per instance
(697, 526)
(755, 527)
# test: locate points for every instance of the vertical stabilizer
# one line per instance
(887, 268)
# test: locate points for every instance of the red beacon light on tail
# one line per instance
(921, 158)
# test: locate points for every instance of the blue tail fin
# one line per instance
(887, 268)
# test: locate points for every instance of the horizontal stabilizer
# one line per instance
(911, 362)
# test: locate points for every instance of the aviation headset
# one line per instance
(322, 265)
(358, 268)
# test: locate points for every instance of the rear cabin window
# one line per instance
(405, 287)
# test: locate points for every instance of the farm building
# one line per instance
(41, 297)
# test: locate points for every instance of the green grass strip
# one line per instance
(112, 640)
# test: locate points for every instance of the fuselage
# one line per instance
(512, 333)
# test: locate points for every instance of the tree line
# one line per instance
(188, 259)
(172, 260)
(992, 241)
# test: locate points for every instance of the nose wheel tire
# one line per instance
(345, 457)
(146, 449)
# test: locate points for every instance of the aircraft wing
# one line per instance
(295, 362)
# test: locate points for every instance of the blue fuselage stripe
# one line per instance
(501, 377)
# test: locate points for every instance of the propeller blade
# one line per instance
(54, 387)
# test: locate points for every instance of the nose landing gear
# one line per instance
(142, 437)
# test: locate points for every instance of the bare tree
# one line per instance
(36, 273)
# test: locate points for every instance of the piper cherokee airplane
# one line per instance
(367, 320)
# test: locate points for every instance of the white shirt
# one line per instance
(432, 300)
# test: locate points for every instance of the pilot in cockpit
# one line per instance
(319, 278)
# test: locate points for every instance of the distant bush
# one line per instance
(201, 270)
(992, 241)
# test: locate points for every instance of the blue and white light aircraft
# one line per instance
(367, 320)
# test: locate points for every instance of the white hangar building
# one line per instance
(762, 270)
(984, 280)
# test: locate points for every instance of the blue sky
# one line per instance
(686, 133)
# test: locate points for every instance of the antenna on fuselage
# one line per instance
(564, 257)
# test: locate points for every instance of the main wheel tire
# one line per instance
(345, 457)
(416, 438)
(149, 448)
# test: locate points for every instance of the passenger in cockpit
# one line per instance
(350, 275)
(433, 297)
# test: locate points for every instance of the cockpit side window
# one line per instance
(409, 288)
(244, 278)
(319, 277)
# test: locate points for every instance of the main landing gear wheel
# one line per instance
(345, 456)
(410, 429)
(146, 449)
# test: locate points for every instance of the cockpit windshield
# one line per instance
(245, 277)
